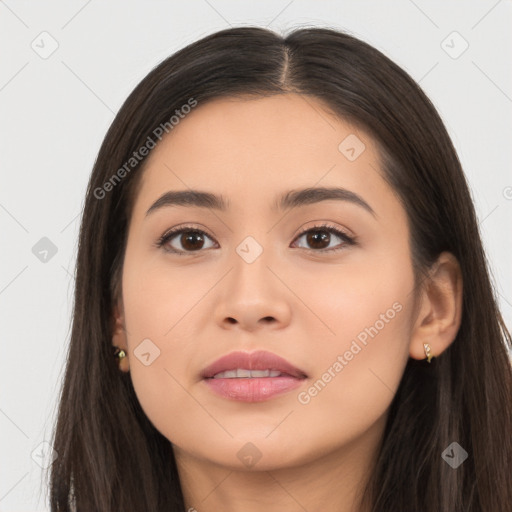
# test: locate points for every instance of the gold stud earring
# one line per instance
(119, 352)
(428, 353)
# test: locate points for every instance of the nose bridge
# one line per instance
(249, 261)
(251, 292)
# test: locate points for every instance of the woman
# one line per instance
(279, 246)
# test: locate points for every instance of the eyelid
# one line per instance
(185, 227)
(328, 226)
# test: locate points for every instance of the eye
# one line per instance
(188, 239)
(320, 238)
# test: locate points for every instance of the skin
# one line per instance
(305, 306)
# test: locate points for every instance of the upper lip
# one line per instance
(260, 360)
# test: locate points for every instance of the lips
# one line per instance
(258, 364)
(252, 377)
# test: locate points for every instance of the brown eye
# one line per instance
(185, 240)
(319, 239)
(191, 240)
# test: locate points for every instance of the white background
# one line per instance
(55, 111)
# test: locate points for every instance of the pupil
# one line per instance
(187, 239)
(318, 236)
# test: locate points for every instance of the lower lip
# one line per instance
(254, 389)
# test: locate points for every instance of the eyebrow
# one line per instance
(288, 200)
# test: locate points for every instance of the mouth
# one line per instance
(252, 377)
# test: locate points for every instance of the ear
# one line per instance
(119, 338)
(440, 308)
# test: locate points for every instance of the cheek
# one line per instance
(363, 324)
(158, 298)
(158, 305)
(365, 299)
(359, 368)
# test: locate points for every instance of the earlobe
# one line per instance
(119, 340)
(440, 312)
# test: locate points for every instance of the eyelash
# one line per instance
(160, 243)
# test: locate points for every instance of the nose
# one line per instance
(252, 297)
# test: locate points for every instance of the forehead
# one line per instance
(249, 148)
(277, 124)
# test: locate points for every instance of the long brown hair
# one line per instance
(111, 458)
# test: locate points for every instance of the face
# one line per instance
(323, 281)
